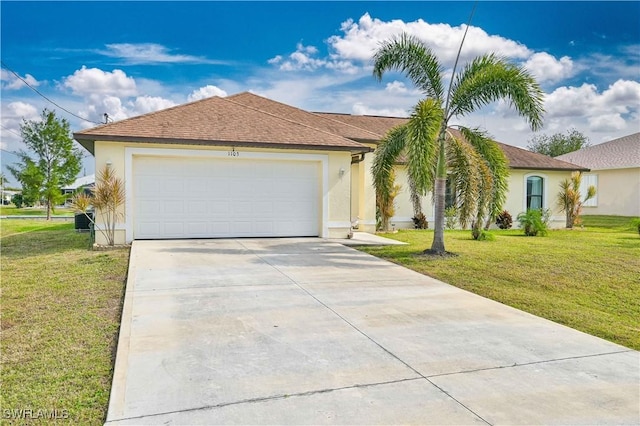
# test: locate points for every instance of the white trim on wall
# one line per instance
(130, 152)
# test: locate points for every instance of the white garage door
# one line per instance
(219, 197)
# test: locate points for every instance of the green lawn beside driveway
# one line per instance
(61, 306)
(587, 278)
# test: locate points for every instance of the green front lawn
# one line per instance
(33, 211)
(61, 307)
(587, 279)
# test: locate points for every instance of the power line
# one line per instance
(10, 130)
(36, 90)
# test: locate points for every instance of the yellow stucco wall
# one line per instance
(618, 193)
(515, 203)
(516, 199)
(338, 221)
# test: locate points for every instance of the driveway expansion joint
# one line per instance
(269, 398)
(544, 361)
(393, 355)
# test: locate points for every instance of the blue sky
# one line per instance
(129, 58)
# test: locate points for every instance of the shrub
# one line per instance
(17, 200)
(420, 221)
(486, 236)
(534, 222)
(450, 217)
(504, 220)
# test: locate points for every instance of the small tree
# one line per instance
(106, 198)
(569, 198)
(558, 143)
(56, 162)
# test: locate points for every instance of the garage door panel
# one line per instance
(204, 197)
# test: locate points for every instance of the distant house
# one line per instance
(86, 182)
(615, 172)
(248, 166)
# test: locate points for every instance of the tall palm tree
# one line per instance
(477, 166)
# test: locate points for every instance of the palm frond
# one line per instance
(498, 166)
(385, 157)
(489, 78)
(411, 56)
(421, 146)
(466, 176)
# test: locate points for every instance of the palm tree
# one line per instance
(477, 166)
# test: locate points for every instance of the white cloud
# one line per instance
(11, 82)
(19, 111)
(151, 53)
(607, 123)
(361, 109)
(206, 92)
(396, 87)
(94, 81)
(361, 39)
(145, 104)
(546, 67)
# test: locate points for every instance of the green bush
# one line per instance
(450, 217)
(17, 200)
(482, 235)
(534, 222)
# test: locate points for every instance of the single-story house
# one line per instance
(247, 166)
(615, 172)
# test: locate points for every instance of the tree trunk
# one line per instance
(437, 247)
(569, 219)
(438, 228)
(48, 209)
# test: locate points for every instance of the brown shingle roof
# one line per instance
(317, 121)
(518, 158)
(619, 153)
(218, 121)
(378, 124)
(523, 159)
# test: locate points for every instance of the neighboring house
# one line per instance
(615, 172)
(247, 166)
(86, 182)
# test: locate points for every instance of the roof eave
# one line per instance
(90, 139)
(557, 169)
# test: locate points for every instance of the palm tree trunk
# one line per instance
(437, 247)
(438, 235)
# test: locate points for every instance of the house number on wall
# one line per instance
(233, 153)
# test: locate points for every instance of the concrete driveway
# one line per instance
(308, 331)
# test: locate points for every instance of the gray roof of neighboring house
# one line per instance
(82, 181)
(621, 153)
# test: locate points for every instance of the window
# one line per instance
(535, 187)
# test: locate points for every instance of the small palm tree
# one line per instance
(568, 198)
(477, 167)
